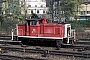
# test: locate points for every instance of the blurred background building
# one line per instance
(33, 6)
(84, 11)
(51, 7)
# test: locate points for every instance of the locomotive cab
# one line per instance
(36, 21)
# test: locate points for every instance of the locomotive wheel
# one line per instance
(58, 44)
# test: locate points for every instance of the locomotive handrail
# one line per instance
(34, 19)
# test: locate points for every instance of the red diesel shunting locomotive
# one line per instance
(40, 31)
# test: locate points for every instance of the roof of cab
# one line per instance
(33, 19)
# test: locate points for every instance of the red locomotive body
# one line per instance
(40, 30)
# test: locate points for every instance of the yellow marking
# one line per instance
(75, 39)
(0, 49)
(38, 47)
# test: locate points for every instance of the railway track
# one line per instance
(10, 57)
(83, 54)
(80, 53)
(82, 44)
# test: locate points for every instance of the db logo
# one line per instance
(34, 30)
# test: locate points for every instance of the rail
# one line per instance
(51, 52)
